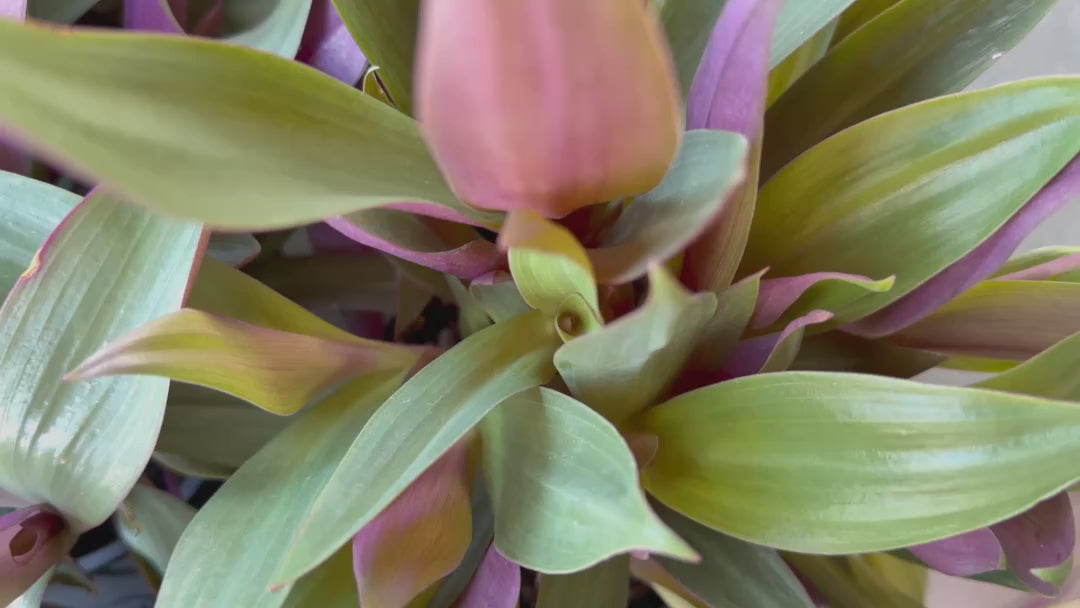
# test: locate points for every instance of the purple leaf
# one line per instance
(776, 296)
(496, 584)
(328, 47)
(967, 554)
(1042, 538)
(32, 540)
(1044, 271)
(977, 265)
(732, 82)
(729, 93)
(151, 16)
(465, 261)
(762, 354)
(13, 9)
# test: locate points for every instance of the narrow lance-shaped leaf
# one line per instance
(386, 31)
(627, 365)
(271, 26)
(277, 371)
(344, 150)
(331, 585)
(840, 463)
(877, 68)
(549, 86)
(107, 269)
(729, 93)
(858, 14)
(1051, 373)
(688, 25)
(604, 585)
(772, 352)
(1042, 257)
(150, 522)
(799, 21)
(212, 430)
(981, 261)
(912, 191)
(732, 572)
(797, 63)
(564, 487)
(998, 319)
(431, 412)
(784, 299)
(660, 223)
(250, 519)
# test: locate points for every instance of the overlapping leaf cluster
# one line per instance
(454, 292)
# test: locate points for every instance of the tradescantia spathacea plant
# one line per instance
(483, 303)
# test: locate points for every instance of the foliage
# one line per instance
(477, 302)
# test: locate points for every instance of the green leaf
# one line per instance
(732, 573)
(627, 365)
(547, 262)
(337, 280)
(80, 446)
(209, 434)
(836, 351)
(734, 307)
(233, 248)
(834, 578)
(501, 299)
(564, 486)
(799, 21)
(31, 210)
(1037, 257)
(878, 68)
(605, 585)
(385, 30)
(1000, 320)
(273, 26)
(660, 223)
(272, 131)
(472, 316)
(223, 290)
(58, 11)
(798, 62)
(858, 14)
(688, 25)
(430, 413)
(912, 191)
(213, 429)
(277, 371)
(845, 463)
(229, 552)
(150, 523)
(331, 585)
(1050, 374)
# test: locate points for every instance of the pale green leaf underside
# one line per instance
(80, 446)
(230, 550)
(273, 26)
(225, 134)
(151, 521)
(844, 463)
(31, 210)
(564, 486)
(417, 424)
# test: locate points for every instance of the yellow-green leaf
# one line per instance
(226, 135)
(386, 31)
(547, 262)
(912, 191)
(1051, 373)
(150, 522)
(278, 371)
(878, 68)
(845, 463)
(604, 585)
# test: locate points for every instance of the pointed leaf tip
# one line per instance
(550, 86)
